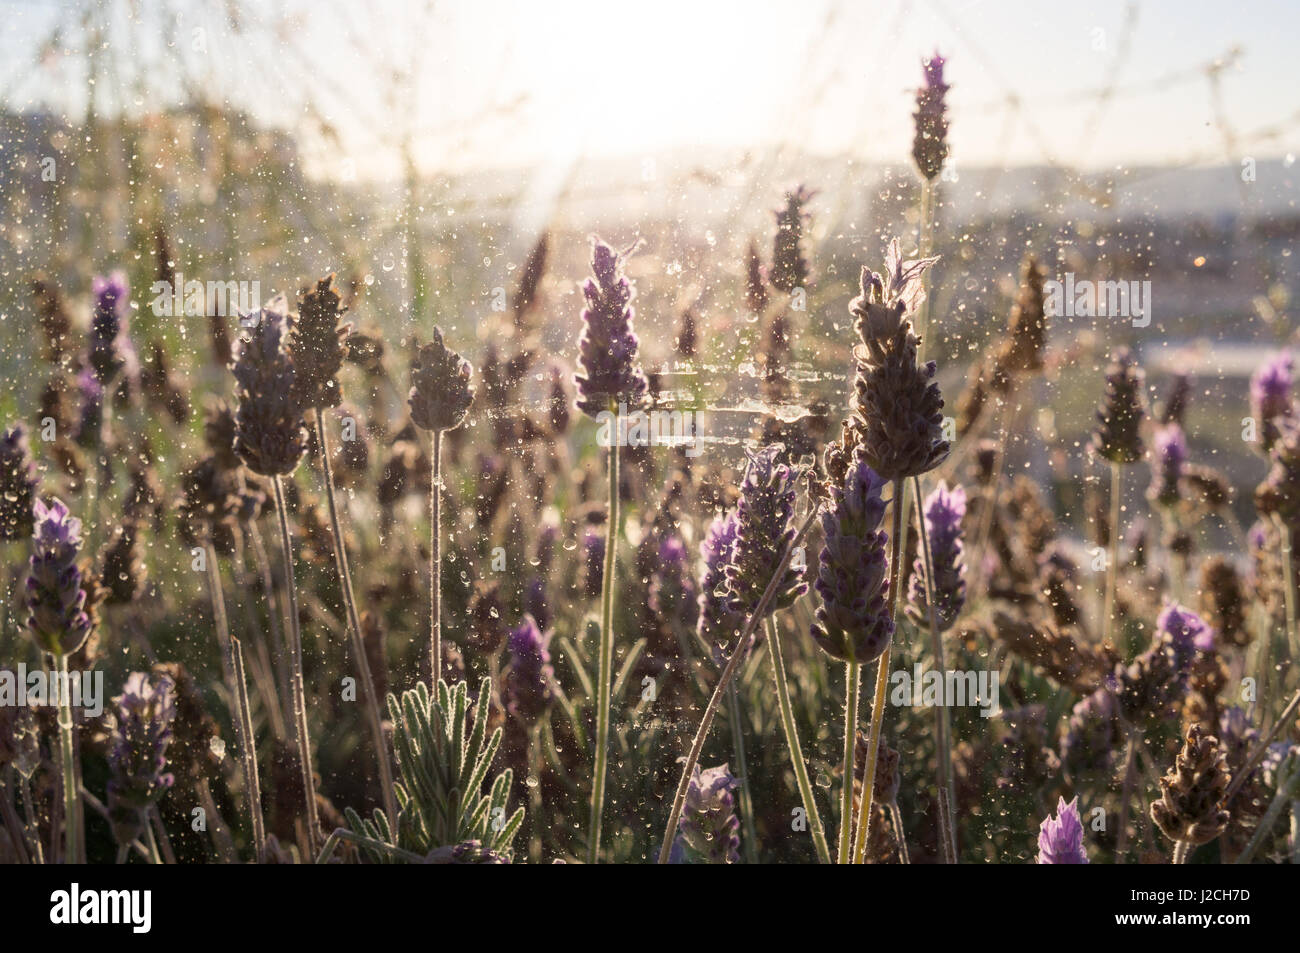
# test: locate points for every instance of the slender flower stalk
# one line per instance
(354, 625)
(925, 246)
(1133, 738)
(318, 346)
(435, 557)
(792, 742)
(440, 398)
(605, 663)
(746, 797)
(301, 736)
(1285, 535)
(1112, 557)
(72, 816)
(852, 693)
(610, 379)
(232, 656)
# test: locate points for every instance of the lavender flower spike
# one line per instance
(1184, 632)
(269, 434)
(55, 598)
(853, 623)
(930, 139)
(789, 267)
(141, 729)
(718, 624)
(607, 350)
(107, 326)
(441, 393)
(1167, 465)
(1060, 839)
(897, 422)
(763, 533)
(527, 691)
(17, 484)
(709, 830)
(944, 510)
(1271, 395)
(1118, 436)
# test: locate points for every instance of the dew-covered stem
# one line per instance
(302, 738)
(435, 560)
(605, 662)
(792, 741)
(354, 624)
(750, 845)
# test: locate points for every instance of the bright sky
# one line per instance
(495, 82)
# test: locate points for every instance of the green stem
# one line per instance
(1288, 585)
(249, 744)
(354, 625)
(1170, 525)
(1112, 562)
(852, 689)
(606, 661)
(233, 661)
(1181, 849)
(899, 836)
(302, 739)
(1126, 793)
(30, 813)
(435, 562)
(792, 741)
(160, 834)
(927, 239)
(742, 769)
(273, 611)
(536, 762)
(17, 833)
(71, 791)
(728, 673)
(882, 675)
